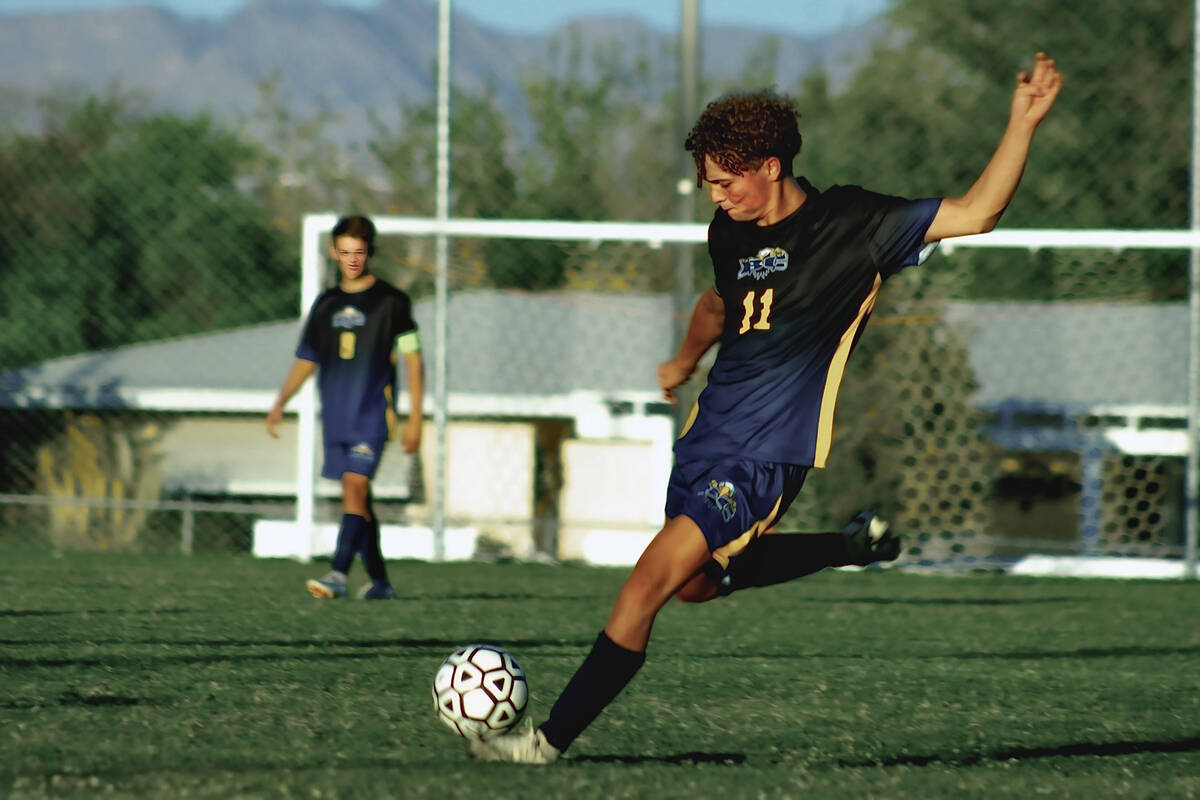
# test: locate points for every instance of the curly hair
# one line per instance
(740, 131)
(358, 227)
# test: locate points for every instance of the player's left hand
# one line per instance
(410, 434)
(671, 375)
(274, 417)
(1036, 92)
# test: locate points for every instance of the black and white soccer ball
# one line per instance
(480, 691)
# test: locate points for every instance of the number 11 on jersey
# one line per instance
(764, 316)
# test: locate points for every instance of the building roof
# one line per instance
(1076, 355)
(501, 344)
(519, 351)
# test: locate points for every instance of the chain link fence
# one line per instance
(1002, 401)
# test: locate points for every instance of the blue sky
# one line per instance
(795, 16)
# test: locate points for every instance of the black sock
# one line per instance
(349, 541)
(779, 557)
(372, 556)
(599, 679)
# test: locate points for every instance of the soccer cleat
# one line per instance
(868, 540)
(328, 588)
(526, 745)
(374, 591)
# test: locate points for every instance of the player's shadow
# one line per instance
(39, 612)
(367, 644)
(235, 650)
(1083, 652)
(1017, 655)
(1075, 749)
(940, 601)
(422, 598)
(687, 759)
(73, 698)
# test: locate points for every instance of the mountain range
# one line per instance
(346, 60)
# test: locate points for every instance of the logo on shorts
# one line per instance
(762, 264)
(362, 450)
(719, 495)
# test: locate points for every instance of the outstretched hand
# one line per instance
(1036, 92)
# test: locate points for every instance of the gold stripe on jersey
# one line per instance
(833, 380)
(687, 426)
(389, 413)
(736, 547)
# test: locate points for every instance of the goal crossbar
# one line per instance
(658, 233)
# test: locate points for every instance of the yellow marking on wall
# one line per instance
(97, 459)
(833, 380)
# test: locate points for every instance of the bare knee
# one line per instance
(643, 591)
(355, 491)
(699, 589)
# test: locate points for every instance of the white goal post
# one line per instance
(655, 234)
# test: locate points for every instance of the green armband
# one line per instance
(409, 342)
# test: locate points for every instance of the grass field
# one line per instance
(217, 676)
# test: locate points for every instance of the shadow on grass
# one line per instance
(421, 598)
(38, 612)
(1017, 655)
(320, 651)
(324, 649)
(73, 698)
(690, 759)
(1083, 652)
(1188, 745)
(939, 601)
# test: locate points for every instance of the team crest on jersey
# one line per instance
(719, 495)
(349, 317)
(362, 450)
(763, 263)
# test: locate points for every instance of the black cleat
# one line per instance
(868, 540)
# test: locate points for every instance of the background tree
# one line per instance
(122, 226)
(922, 116)
(483, 184)
(298, 166)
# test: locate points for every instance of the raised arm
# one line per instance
(980, 208)
(708, 319)
(297, 375)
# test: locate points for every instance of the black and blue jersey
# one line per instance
(797, 296)
(351, 337)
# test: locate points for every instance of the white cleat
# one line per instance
(331, 587)
(526, 745)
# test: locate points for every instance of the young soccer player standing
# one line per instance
(797, 273)
(351, 336)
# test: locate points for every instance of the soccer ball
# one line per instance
(480, 691)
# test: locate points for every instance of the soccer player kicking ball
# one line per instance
(351, 336)
(797, 272)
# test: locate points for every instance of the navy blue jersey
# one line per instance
(797, 295)
(351, 336)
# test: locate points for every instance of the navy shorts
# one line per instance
(361, 458)
(732, 500)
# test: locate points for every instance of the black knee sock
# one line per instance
(349, 541)
(779, 557)
(372, 556)
(597, 682)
